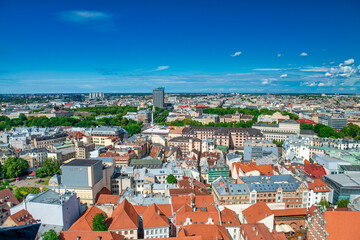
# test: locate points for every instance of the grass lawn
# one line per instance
(46, 182)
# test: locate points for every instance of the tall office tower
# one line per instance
(158, 97)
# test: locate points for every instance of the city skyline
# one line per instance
(187, 47)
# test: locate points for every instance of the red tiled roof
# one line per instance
(314, 170)
(258, 231)
(85, 221)
(22, 217)
(318, 186)
(229, 218)
(342, 225)
(207, 232)
(124, 217)
(107, 199)
(153, 217)
(8, 196)
(290, 212)
(257, 212)
(90, 235)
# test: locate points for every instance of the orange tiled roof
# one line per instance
(207, 232)
(107, 199)
(257, 212)
(166, 209)
(318, 186)
(154, 217)
(124, 217)
(342, 225)
(229, 218)
(290, 212)
(22, 217)
(266, 169)
(140, 209)
(197, 217)
(85, 221)
(90, 235)
(258, 231)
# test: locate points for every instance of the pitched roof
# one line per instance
(85, 221)
(290, 212)
(318, 186)
(254, 231)
(257, 212)
(154, 217)
(124, 217)
(22, 217)
(229, 218)
(107, 199)
(8, 196)
(90, 235)
(207, 232)
(342, 225)
(166, 209)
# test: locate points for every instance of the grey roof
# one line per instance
(49, 197)
(345, 180)
(226, 188)
(82, 162)
(270, 183)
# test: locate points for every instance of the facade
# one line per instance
(333, 122)
(318, 191)
(83, 149)
(47, 141)
(229, 194)
(277, 189)
(233, 138)
(158, 97)
(280, 131)
(35, 157)
(96, 95)
(273, 118)
(220, 169)
(185, 144)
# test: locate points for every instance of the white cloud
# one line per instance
(267, 69)
(303, 54)
(160, 68)
(321, 84)
(283, 75)
(315, 69)
(280, 55)
(328, 74)
(236, 54)
(83, 16)
(349, 61)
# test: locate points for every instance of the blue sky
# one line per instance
(186, 46)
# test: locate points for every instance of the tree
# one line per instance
(15, 167)
(343, 202)
(50, 235)
(99, 223)
(324, 203)
(171, 179)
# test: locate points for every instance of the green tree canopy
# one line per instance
(343, 202)
(14, 167)
(50, 235)
(99, 223)
(171, 178)
(324, 203)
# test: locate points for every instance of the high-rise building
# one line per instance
(158, 97)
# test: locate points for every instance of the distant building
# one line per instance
(333, 122)
(158, 97)
(256, 149)
(96, 95)
(280, 131)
